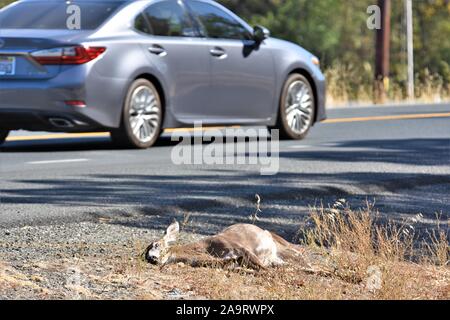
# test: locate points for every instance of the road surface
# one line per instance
(397, 157)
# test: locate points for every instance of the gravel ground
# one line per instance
(76, 230)
(79, 261)
(100, 259)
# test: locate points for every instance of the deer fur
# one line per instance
(243, 244)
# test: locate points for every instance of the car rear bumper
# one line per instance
(38, 120)
(40, 106)
(30, 104)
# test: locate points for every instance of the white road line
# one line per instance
(299, 147)
(331, 145)
(58, 161)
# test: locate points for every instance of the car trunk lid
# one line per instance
(16, 47)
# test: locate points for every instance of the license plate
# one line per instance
(7, 66)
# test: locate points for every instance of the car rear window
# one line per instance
(48, 14)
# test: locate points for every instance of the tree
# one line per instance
(336, 31)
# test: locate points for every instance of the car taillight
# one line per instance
(76, 103)
(67, 55)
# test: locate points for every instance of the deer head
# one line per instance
(158, 252)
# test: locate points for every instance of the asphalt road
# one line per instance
(397, 157)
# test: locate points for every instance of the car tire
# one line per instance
(297, 108)
(141, 124)
(3, 135)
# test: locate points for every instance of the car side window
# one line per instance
(142, 24)
(165, 18)
(218, 23)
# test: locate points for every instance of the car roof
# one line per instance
(78, 1)
(123, 1)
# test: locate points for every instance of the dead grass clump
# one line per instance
(385, 258)
(349, 84)
(10, 278)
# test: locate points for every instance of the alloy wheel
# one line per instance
(299, 107)
(144, 114)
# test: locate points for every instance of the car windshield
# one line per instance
(53, 14)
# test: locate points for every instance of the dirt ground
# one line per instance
(102, 261)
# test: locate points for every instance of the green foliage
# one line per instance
(5, 2)
(336, 31)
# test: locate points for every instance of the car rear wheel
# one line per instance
(141, 118)
(297, 108)
(3, 136)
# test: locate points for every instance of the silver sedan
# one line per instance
(135, 68)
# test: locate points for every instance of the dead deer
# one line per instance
(243, 244)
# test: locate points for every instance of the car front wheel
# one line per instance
(3, 136)
(141, 118)
(297, 108)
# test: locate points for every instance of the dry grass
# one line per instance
(387, 257)
(351, 84)
(360, 259)
(355, 256)
(11, 279)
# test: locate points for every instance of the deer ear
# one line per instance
(172, 233)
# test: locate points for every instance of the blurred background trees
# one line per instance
(336, 31)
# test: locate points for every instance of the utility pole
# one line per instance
(410, 46)
(382, 65)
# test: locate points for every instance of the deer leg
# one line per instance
(199, 262)
(249, 259)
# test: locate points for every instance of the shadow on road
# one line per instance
(418, 152)
(219, 198)
(216, 201)
(67, 145)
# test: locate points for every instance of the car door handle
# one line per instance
(158, 50)
(218, 53)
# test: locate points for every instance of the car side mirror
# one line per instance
(260, 34)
